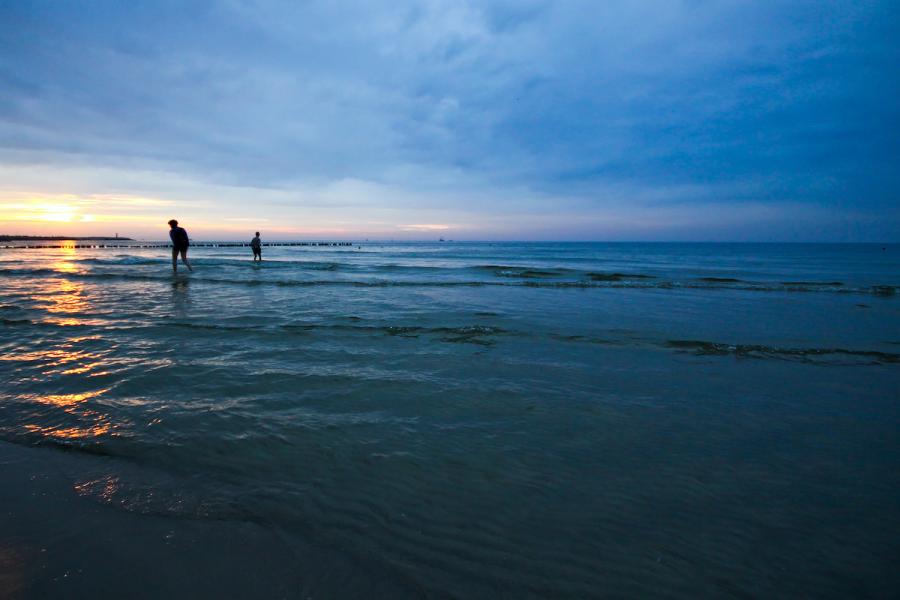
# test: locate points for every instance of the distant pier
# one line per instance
(164, 245)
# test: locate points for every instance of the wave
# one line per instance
(720, 280)
(524, 272)
(485, 334)
(617, 276)
(393, 268)
(885, 290)
(794, 354)
(13, 322)
(519, 277)
(22, 437)
(465, 333)
(205, 261)
(121, 260)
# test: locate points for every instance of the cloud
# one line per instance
(426, 227)
(351, 114)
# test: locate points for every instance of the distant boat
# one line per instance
(441, 240)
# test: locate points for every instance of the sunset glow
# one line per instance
(41, 211)
(470, 121)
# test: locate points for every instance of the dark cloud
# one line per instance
(736, 102)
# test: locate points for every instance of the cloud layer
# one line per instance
(526, 119)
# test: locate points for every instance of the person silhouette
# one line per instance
(256, 245)
(180, 243)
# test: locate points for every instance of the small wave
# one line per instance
(524, 272)
(720, 280)
(393, 268)
(212, 261)
(14, 322)
(405, 330)
(214, 327)
(38, 271)
(586, 339)
(21, 437)
(464, 333)
(122, 260)
(831, 355)
(617, 276)
(527, 278)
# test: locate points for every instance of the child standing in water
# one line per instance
(256, 245)
(180, 243)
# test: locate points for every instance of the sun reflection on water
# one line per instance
(71, 433)
(63, 262)
(72, 360)
(70, 399)
(66, 299)
(64, 409)
(96, 423)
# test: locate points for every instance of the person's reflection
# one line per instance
(181, 300)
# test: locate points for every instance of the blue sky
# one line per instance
(525, 119)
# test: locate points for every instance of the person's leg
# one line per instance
(185, 260)
(174, 260)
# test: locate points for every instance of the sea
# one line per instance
(451, 420)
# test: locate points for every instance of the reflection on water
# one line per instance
(66, 355)
(66, 300)
(71, 433)
(63, 400)
(66, 415)
(103, 488)
(181, 300)
(60, 364)
(91, 422)
(64, 262)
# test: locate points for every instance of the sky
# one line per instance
(419, 119)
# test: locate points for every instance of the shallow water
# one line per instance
(452, 420)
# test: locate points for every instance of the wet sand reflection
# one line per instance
(12, 573)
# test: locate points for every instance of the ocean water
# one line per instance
(451, 420)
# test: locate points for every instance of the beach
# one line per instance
(451, 420)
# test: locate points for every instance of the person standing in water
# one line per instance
(256, 245)
(180, 243)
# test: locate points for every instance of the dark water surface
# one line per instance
(452, 421)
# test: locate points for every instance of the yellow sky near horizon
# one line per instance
(144, 218)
